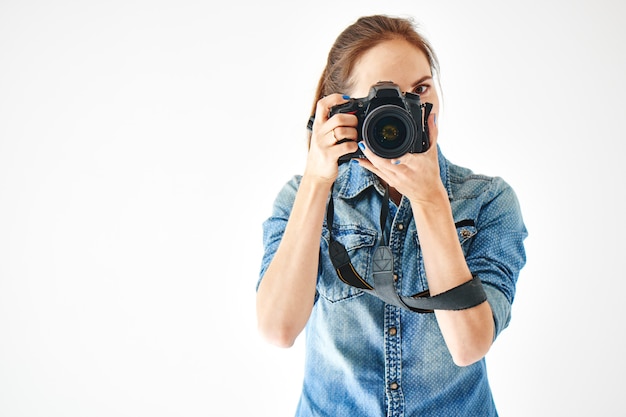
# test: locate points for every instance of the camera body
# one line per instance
(391, 123)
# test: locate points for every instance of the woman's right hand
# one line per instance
(324, 149)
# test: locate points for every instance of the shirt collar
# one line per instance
(353, 180)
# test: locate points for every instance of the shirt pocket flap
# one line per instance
(465, 230)
(359, 244)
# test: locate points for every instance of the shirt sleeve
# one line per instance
(497, 253)
(274, 226)
(500, 308)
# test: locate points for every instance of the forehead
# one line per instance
(394, 60)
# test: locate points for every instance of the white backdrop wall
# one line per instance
(142, 144)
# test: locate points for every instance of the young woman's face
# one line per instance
(397, 61)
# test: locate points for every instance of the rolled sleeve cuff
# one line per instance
(500, 307)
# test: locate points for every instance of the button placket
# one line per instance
(393, 341)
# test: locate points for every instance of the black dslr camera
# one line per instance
(391, 123)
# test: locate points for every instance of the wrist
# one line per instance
(316, 182)
(437, 199)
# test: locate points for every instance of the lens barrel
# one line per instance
(389, 131)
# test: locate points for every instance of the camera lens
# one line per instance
(389, 131)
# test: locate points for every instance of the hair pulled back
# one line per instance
(359, 37)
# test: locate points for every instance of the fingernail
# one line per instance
(362, 146)
(345, 97)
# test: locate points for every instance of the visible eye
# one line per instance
(421, 89)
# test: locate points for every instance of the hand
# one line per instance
(415, 175)
(324, 150)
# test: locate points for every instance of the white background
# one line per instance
(142, 144)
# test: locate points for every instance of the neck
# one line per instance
(395, 195)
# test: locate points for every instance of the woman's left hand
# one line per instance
(415, 175)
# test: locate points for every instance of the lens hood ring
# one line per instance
(389, 131)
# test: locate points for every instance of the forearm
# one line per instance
(468, 333)
(286, 293)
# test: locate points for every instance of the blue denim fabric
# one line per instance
(368, 358)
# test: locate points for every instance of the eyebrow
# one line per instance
(421, 80)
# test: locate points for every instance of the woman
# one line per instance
(444, 225)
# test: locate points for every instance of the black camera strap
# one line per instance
(466, 295)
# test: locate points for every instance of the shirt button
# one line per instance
(393, 331)
(400, 226)
(393, 386)
(395, 277)
(465, 233)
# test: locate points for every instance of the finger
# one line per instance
(367, 164)
(343, 148)
(322, 109)
(376, 160)
(342, 133)
(343, 119)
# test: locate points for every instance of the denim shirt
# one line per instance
(367, 358)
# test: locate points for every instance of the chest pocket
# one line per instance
(465, 230)
(359, 243)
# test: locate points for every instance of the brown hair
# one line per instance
(359, 37)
